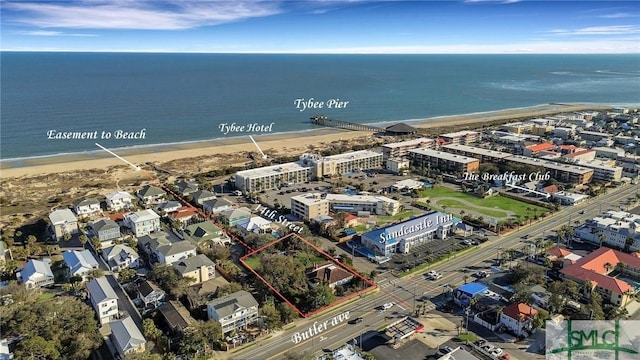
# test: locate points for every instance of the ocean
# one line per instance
(185, 97)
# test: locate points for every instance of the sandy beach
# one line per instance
(273, 145)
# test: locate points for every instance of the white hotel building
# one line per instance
(308, 206)
(402, 237)
(616, 226)
(309, 167)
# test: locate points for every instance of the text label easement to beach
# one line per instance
(93, 135)
(319, 327)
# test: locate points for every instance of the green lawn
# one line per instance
(403, 215)
(253, 262)
(495, 206)
(361, 227)
(45, 296)
(310, 259)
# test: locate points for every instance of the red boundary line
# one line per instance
(372, 285)
(252, 252)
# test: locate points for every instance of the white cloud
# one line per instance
(600, 30)
(619, 15)
(145, 15)
(52, 33)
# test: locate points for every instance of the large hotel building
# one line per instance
(309, 167)
(404, 236)
(400, 149)
(444, 161)
(559, 171)
(311, 205)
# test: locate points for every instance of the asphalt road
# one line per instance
(403, 291)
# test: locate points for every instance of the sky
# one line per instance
(321, 26)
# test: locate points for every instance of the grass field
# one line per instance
(253, 262)
(495, 206)
(403, 215)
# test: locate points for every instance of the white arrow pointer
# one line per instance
(256, 144)
(116, 155)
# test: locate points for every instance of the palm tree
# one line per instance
(627, 243)
(602, 237)
(608, 266)
(465, 277)
(587, 287)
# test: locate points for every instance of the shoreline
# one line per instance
(269, 143)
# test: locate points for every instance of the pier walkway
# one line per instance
(325, 121)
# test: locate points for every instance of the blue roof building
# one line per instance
(462, 295)
(402, 237)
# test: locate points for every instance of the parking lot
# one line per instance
(429, 252)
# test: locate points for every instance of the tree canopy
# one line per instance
(59, 328)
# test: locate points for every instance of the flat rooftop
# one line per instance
(550, 164)
(358, 198)
(362, 154)
(273, 170)
(408, 143)
(460, 133)
(444, 155)
(478, 150)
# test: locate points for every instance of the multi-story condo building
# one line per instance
(342, 163)
(103, 299)
(309, 167)
(400, 149)
(463, 137)
(309, 206)
(559, 171)
(87, 207)
(484, 155)
(143, 222)
(620, 229)
(603, 172)
(234, 311)
(272, 177)
(444, 161)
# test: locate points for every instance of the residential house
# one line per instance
(175, 316)
(255, 224)
(149, 293)
(5, 353)
(184, 215)
(199, 267)
(143, 222)
(234, 311)
(200, 196)
(596, 269)
(328, 273)
(36, 274)
(518, 318)
(80, 263)
(151, 195)
(187, 187)
(561, 256)
(169, 207)
(232, 217)
(103, 299)
(126, 337)
(540, 296)
(120, 257)
(215, 206)
(87, 207)
(106, 230)
(205, 234)
(63, 221)
(119, 200)
(161, 249)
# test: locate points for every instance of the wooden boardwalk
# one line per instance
(325, 121)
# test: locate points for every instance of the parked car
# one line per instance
(488, 347)
(444, 350)
(496, 352)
